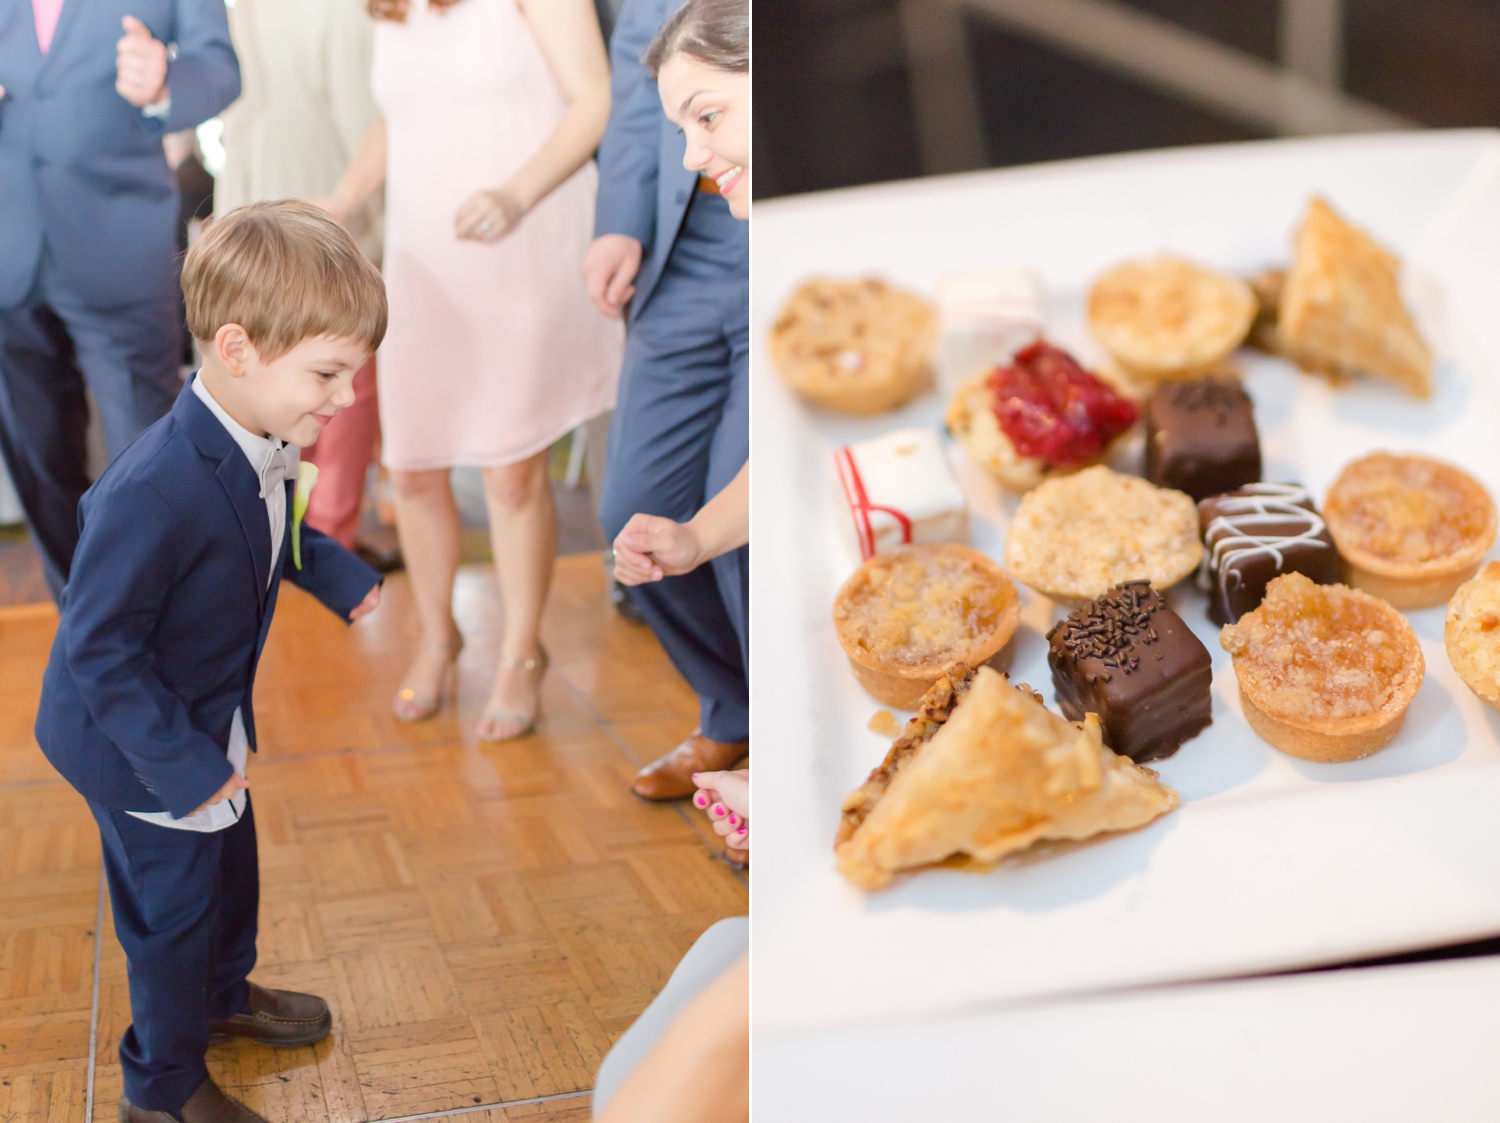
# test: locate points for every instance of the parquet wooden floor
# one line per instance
(484, 919)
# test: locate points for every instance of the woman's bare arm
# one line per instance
(567, 33)
(365, 173)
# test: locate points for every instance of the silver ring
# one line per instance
(484, 227)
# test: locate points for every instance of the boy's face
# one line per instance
(294, 396)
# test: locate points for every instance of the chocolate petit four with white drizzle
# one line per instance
(1253, 535)
(1201, 437)
(1130, 659)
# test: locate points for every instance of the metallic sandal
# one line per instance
(427, 705)
(526, 725)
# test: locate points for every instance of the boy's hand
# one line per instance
(237, 783)
(366, 606)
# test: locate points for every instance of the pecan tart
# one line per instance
(904, 616)
(1326, 672)
(1413, 529)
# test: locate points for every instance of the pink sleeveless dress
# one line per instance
(493, 350)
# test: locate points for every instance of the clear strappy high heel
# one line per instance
(411, 704)
(523, 724)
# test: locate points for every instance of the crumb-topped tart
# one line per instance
(1167, 318)
(1412, 528)
(1037, 416)
(1326, 672)
(1471, 634)
(985, 770)
(1076, 537)
(859, 347)
(904, 616)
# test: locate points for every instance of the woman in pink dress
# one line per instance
(489, 113)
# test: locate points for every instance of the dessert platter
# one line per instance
(1120, 612)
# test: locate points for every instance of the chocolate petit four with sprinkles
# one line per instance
(1253, 535)
(1130, 659)
(1201, 437)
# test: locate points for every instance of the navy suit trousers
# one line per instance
(185, 912)
(51, 346)
(680, 433)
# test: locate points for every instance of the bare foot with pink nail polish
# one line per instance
(725, 797)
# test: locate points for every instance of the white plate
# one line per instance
(1271, 862)
(1384, 1045)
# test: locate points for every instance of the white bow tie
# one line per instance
(279, 466)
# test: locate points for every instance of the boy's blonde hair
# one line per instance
(284, 272)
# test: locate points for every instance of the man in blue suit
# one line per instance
(667, 248)
(88, 213)
(146, 703)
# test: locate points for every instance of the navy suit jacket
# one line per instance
(80, 167)
(165, 614)
(643, 188)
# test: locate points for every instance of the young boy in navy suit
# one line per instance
(146, 703)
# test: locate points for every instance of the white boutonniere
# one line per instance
(307, 477)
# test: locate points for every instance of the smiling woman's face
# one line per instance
(712, 107)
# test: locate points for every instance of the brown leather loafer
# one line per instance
(282, 1019)
(207, 1105)
(671, 776)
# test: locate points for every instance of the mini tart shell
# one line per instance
(1409, 585)
(900, 684)
(972, 421)
(1471, 634)
(890, 331)
(1336, 740)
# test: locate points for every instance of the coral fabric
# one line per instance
(493, 349)
(343, 453)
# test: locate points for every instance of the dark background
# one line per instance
(834, 104)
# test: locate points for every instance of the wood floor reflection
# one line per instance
(484, 919)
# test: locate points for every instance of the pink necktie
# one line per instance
(46, 13)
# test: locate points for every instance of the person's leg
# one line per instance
(672, 395)
(711, 955)
(130, 359)
(523, 536)
(165, 886)
(43, 428)
(342, 454)
(727, 455)
(431, 531)
(234, 938)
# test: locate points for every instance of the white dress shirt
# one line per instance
(227, 812)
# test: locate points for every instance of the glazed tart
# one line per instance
(1038, 416)
(859, 347)
(1253, 535)
(983, 771)
(1169, 318)
(905, 616)
(1413, 529)
(1326, 672)
(1076, 537)
(1471, 634)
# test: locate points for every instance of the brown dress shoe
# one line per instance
(671, 776)
(207, 1105)
(279, 1018)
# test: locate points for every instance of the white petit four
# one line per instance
(899, 489)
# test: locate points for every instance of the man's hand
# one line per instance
(236, 784)
(651, 547)
(609, 268)
(140, 65)
(366, 606)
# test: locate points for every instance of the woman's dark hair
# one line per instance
(715, 32)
